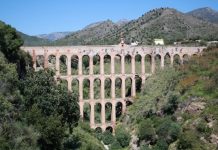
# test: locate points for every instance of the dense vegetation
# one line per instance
(177, 108)
(35, 112)
(33, 40)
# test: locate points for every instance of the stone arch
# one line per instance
(167, 60)
(118, 87)
(75, 86)
(74, 65)
(40, 60)
(119, 109)
(63, 65)
(138, 64)
(107, 64)
(86, 112)
(117, 63)
(128, 64)
(157, 62)
(51, 61)
(85, 64)
(108, 112)
(138, 84)
(96, 64)
(98, 130)
(107, 88)
(128, 101)
(185, 58)
(176, 60)
(128, 87)
(147, 63)
(110, 129)
(97, 88)
(86, 89)
(97, 112)
(194, 55)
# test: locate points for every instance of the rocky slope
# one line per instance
(206, 14)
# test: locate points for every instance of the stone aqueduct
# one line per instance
(113, 51)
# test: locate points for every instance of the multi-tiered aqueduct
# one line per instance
(156, 56)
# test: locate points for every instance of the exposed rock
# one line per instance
(134, 143)
(214, 139)
(195, 107)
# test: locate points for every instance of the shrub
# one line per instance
(161, 145)
(168, 130)
(115, 145)
(146, 131)
(172, 104)
(204, 128)
(122, 136)
(107, 137)
(189, 140)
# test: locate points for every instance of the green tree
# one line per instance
(168, 130)
(49, 107)
(146, 130)
(122, 136)
(107, 137)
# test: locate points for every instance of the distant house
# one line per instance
(158, 41)
(135, 43)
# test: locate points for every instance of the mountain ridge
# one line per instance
(205, 13)
(167, 23)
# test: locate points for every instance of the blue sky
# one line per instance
(44, 16)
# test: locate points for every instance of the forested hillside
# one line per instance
(178, 107)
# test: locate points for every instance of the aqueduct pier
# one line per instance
(112, 53)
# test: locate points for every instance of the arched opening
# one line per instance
(51, 61)
(75, 86)
(63, 65)
(96, 64)
(138, 82)
(128, 84)
(110, 129)
(118, 86)
(194, 55)
(40, 59)
(128, 66)
(74, 65)
(167, 61)
(64, 85)
(138, 64)
(86, 89)
(157, 62)
(107, 88)
(98, 130)
(119, 108)
(176, 60)
(107, 64)
(97, 113)
(117, 64)
(129, 102)
(108, 111)
(185, 59)
(86, 112)
(147, 63)
(85, 61)
(97, 88)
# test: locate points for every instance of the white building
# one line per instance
(158, 41)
